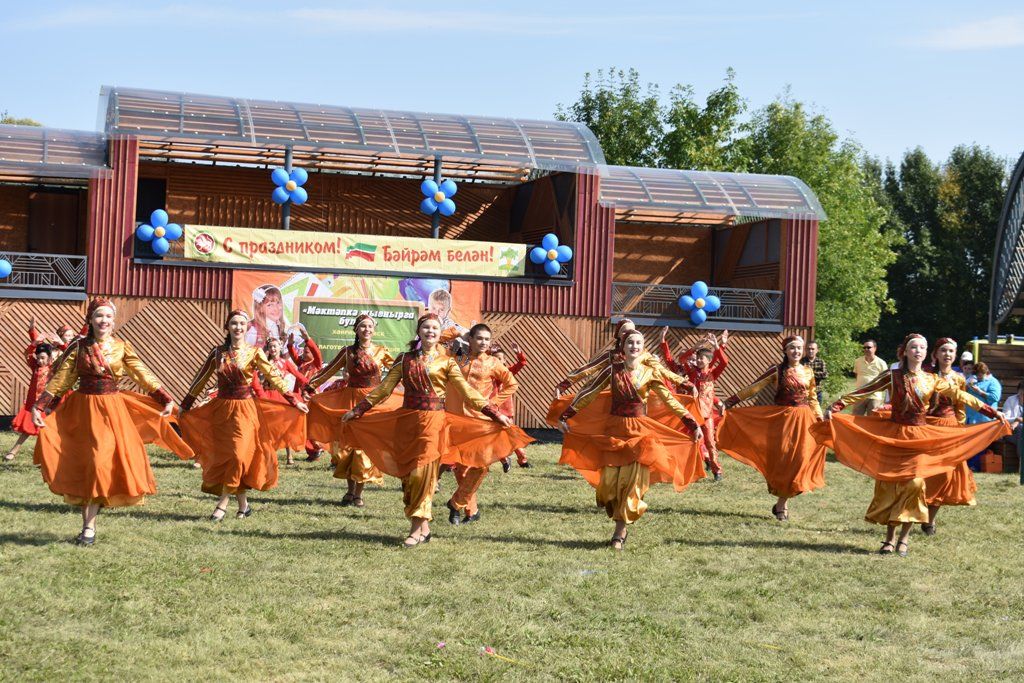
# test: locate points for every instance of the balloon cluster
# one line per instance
(5, 268)
(699, 303)
(289, 186)
(159, 232)
(437, 197)
(551, 254)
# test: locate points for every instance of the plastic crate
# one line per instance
(991, 463)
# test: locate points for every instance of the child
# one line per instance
(508, 407)
(39, 358)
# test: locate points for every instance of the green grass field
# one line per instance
(709, 587)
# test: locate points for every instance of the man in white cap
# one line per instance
(966, 367)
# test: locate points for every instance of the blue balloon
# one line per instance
(449, 188)
(699, 289)
(552, 268)
(158, 218)
(172, 231)
(279, 195)
(299, 196)
(428, 187)
(538, 255)
(428, 206)
(447, 207)
(161, 246)
(697, 316)
(686, 302)
(5, 268)
(279, 176)
(144, 232)
(712, 303)
(564, 253)
(549, 242)
(299, 175)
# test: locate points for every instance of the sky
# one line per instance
(891, 75)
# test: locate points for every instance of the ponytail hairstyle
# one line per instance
(354, 349)
(414, 343)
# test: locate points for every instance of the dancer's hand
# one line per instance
(301, 405)
(664, 332)
(168, 410)
(720, 409)
(698, 434)
(37, 418)
(505, 421)
(563, 426)
(348, 417)
(724, 339)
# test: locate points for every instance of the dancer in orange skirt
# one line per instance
(39, 358)
(476, 442)
(904, 450)
(262, 388)
(957, 487)
(617, 448)
(774, 439)
(508, 407)
(237, 436)
(310, 361)
(703, 365)
(91, 449)
(408, 442)
(364, 363)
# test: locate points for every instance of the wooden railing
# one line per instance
(751, 309)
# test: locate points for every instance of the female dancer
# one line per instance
(956, 487)
(774, 439)
(310, 361)
(408, 442)
(38, 357)
(91, 449)
(900, 452)
(476, 441)
(237, 436)
(621, 451)
(364, 363)
(508, 407)
(262, 387)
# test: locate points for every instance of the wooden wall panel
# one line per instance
(14, 218)
(799, 271)
(662, 254)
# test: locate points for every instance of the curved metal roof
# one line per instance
(34, 152)
(675, 196)
(1008, 261)
(337, 135)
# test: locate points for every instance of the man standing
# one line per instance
(868, 368)
(817, 363)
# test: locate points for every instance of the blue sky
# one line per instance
(893, 75)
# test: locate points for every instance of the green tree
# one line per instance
(6, 118)
(625, 116)
(703, 138)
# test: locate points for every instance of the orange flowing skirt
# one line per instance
(323, 423)
(952, 488)
(93, 451)
(656, 408)
(598, 439)
(22, 423)
(776, 441)
(237, 441)
(888, 451)
(480, 441)
(398, 441)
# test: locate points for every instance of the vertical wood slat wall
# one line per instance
(800, 269)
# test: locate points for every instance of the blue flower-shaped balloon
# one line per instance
(551, 254)
(289, 186)
(437, 197)
(159, 232)
(5, 268)
(699, 303)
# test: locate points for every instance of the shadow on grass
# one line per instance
(715, 513)
(535, 507)
(35, 507)
(323, 535)
(134, 511)
(568, 543)
(777, 545)
(32, 539)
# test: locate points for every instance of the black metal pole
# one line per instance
(435, 221)
(286, 208)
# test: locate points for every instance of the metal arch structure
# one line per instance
(1008, 260)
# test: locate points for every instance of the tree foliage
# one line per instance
(7, 118)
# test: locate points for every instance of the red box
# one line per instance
(991, 463)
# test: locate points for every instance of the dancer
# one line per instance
(508, 407)
(621, 451)
(476, 442)
(310, 361)
(408, 442)
(363, 363)
(38, 356)
(958, 486)
(774, 439)
(904, 450)
(237, 436)
(703, 365)
(91, 449)
(262, 388)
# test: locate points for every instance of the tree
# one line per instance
(625, 116)
(6, 118)
(703, 139)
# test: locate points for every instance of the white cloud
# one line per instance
(987, 34)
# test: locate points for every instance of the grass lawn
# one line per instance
(709, 587)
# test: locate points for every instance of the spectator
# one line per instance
(868, 368)
(1013, 410)
(986, 387)
(817, 364)
(966, 360)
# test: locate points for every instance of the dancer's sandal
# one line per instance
(242, 514)
(347, 499)
(8, 457)
(217, 518)
(781, 515)
(887, 548)
(619, 542)
(84, 540)
(902, 548)
(416, 540)
(928, 529)
(358, 502)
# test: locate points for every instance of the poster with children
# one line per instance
(324, 306)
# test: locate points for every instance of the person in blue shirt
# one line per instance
(986, 387)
